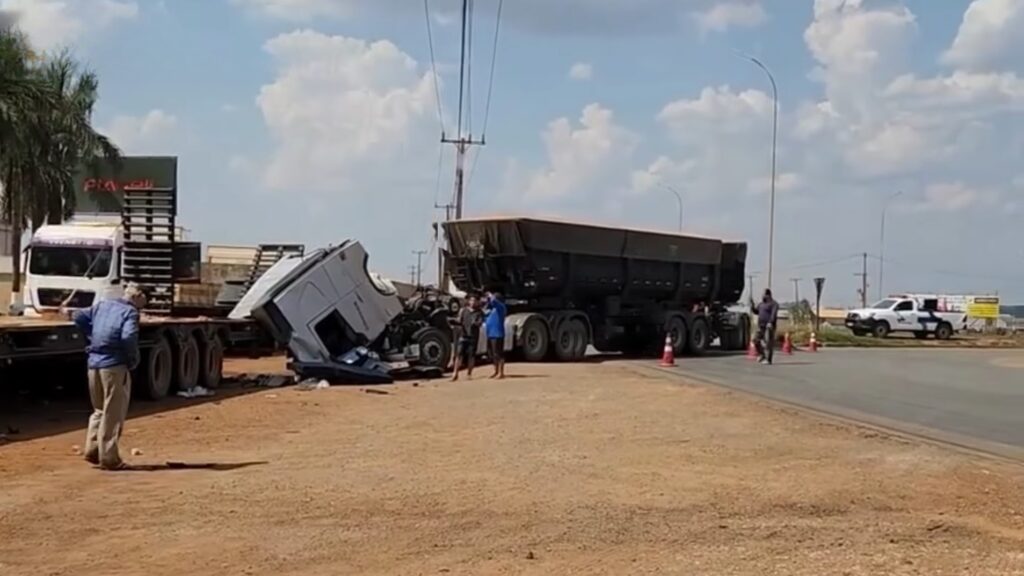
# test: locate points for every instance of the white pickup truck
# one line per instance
(919, 317)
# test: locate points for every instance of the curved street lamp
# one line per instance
(775, 140)
(881, 246)
(679, 198)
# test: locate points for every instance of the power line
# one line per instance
(433, 66)
(494, 60)
(819, 264)
(952, 273)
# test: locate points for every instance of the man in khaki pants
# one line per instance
(112, 328)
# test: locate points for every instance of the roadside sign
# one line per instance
(819, 286)
(99, 186)
(986, 307)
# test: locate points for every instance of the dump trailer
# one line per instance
(569, 285)
(125, 230)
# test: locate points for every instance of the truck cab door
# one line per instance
(906, 316)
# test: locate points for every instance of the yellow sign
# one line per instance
(983, 307)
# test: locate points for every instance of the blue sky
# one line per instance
(316, 121)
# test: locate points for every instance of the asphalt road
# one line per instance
(973, 398)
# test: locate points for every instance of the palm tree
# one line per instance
(46, 135)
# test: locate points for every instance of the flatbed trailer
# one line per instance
(177, 353)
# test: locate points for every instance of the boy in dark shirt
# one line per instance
(467, 334)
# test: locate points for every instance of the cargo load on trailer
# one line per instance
(570, 285)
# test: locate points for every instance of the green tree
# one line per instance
(46, 135)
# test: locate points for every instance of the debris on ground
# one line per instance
(136, 452)
(312, 384)
(376, 391)
(195, 392)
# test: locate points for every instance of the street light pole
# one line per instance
(775, 142)
(679, 199)
(881, 247)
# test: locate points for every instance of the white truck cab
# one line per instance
(72, 265)
(906, 314)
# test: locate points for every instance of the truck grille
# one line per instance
(55, 297)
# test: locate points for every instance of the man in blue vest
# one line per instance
(494, 325)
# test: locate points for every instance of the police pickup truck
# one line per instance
(921, 317)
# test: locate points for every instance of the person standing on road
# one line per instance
(767, 319)
(467, 332)
(112, 331)
(495, 326)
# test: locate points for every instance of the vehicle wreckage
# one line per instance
(345, 324)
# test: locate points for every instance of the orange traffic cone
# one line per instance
(813, 344)
(752, 350)
(787, 345)
(668, 358)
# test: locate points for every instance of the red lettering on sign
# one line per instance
(111, 186)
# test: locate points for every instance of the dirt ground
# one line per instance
(561, 469)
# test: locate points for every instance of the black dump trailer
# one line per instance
(567, 285)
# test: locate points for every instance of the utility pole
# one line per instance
(412, 274)
(796, 289)
(463, 141)
(750, 285)
(864, 283)
(442, 274)
(419, 266)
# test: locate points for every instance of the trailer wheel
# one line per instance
(186, 366)
(536, 340)
(156, 371)
(211, 362)
(582, 340)
(435, 347)
(699, 337)
(568, 338)
(677, 332)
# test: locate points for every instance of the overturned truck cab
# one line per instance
(341, 322)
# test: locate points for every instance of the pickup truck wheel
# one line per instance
(211, 362)
(156, 371)
(435, 347)
(944, 331)
(880, 329)
(698, 342)
(536, 340)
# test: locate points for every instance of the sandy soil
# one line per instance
(585, 469)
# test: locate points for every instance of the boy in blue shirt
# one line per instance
(494, 325)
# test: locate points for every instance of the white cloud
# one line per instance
(298, 10)
(52, 24)
(733, 14)
(581, 71)
(989, 36)
(152, 133)
(784, 182)
(953, 197)
(340, 107)
(582, 159)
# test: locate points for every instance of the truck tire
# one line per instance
(677, 333)
(536, 340)
(211, 362)
(156, 371)
(582, 341)
(880, 329)
(186, 363)
(699, 338)
(435, 347)
(944, 331)
(568, 338)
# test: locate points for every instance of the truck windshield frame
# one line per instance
(70, 261)
(886, 304)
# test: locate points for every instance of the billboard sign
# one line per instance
(99, 187)
(984, 307)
